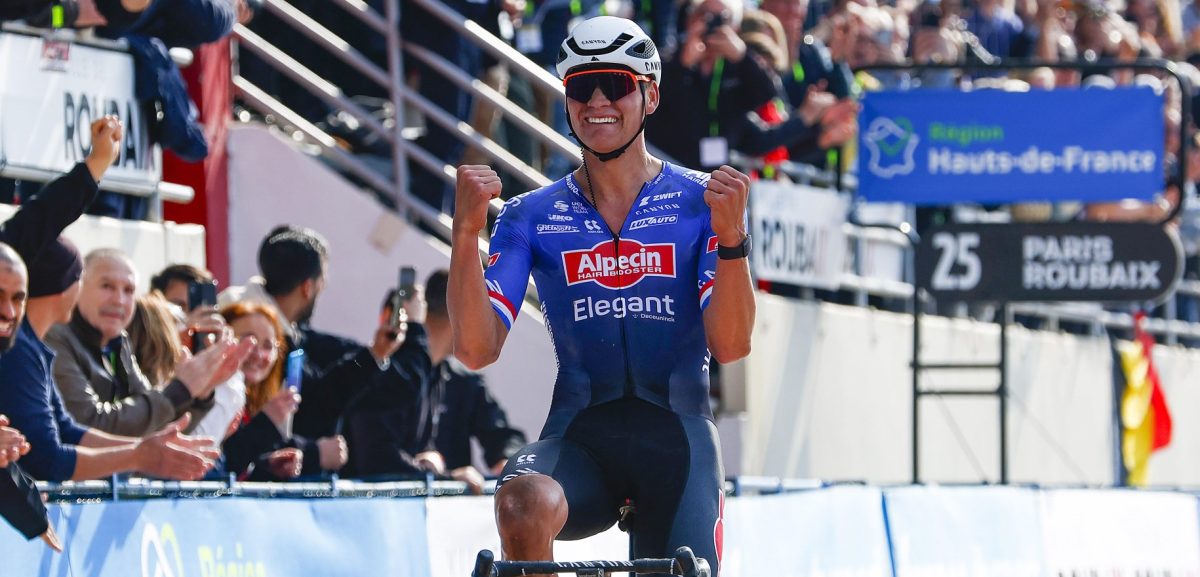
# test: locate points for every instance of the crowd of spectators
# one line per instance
(100, 376)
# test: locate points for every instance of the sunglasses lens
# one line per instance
(614, 85)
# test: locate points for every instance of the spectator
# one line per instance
(184, 23)
(256, 446)
(465, 408)
(173, 283)
(62, 449)
(95, 369)
(997, 27)
(810, 63)
(292, 261)
(154, 336)
(20, 502)
(714, 90)
(391, 424)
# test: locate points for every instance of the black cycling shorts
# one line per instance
(667, 466)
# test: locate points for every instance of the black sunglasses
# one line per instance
(613, 84)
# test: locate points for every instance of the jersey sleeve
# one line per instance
(510, 259)
(707, 272)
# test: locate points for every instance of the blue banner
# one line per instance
(976, 531)
(990, 146)
(228, 538)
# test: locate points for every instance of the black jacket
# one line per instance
(467, 410)
(335, 370)
(21, 503)
(392, 419)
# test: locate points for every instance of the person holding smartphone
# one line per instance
(642, 274)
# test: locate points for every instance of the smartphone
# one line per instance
(404, 290)
(714, 21)
(294, 370)
(202, 294)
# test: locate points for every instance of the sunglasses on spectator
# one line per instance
(613, 84)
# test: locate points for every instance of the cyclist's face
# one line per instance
(604, 124)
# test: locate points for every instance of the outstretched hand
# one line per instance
(170, 454)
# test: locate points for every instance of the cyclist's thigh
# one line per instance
(687, 513)
(591, 507)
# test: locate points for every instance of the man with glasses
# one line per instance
(641, 269)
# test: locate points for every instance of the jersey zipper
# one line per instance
(621, 294)
(616, 237)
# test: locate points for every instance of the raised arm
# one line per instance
(729, 317)
(43, 216)
(478, 332)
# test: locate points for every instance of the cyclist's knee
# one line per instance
(528, 502)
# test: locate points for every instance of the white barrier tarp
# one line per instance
(822, 533)
(965, 531)
(1120, 533)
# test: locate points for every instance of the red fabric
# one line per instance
(1158, 400)
(771, 114)
(719, 528)
(210, 85)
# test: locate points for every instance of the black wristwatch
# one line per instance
(734, 252)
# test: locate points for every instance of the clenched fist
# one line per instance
(726, 197)
(475, 187)
(106, 145)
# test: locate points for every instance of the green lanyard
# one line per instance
(576, 7)
(797, 72)
(57, 17)
(714, 90)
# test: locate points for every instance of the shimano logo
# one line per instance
(560, 217)
(653, 221)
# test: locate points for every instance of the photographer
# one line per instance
(715, 90)
(391, 424)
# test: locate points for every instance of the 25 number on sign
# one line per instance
(956, 250)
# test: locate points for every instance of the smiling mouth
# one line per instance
(601, 120)
(6, 328)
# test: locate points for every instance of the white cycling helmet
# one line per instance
(607, 41)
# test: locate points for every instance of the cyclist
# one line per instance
(640, 266)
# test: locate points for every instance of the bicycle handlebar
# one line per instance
(685, 564)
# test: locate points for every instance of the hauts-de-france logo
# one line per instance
(602, 265)
(891, 145)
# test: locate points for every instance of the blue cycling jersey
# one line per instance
(623, 308)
